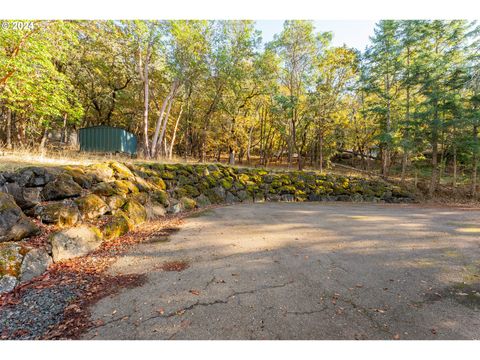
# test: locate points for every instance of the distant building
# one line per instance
(107, 139)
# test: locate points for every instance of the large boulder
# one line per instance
(60, 213)
(34, 264)
(202, 201)
(188, 203)
(116, 226)
(115, 202)
(121, 171)
(14, 225)
(216, 195)
(154, 210)
(25, 197)
(104, 189)
(79, 176)
(91, 206)
(100, 172)
(135, 211)
(74, 242)
(62, 187)
(161, 197)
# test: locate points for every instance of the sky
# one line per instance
(353, 33)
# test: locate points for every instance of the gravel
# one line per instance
(38, 310)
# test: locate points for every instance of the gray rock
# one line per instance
(219, 193)
(230, 198)
(62, 187)
(273, 197)
(32, 195)
(154, 211)
(7, 283)
(202, 201)
(357, 198)
(14, 225)
(25, 197)
(287, 198)
(243, 195)
(2, 180)
(34, 264)
(175, 207)
(73, 242)
(64, 213)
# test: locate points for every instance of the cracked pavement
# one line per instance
(304, 271)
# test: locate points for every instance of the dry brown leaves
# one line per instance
(88, 275)
(174, 266)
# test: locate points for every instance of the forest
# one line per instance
(408, 106)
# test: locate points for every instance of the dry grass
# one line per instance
(19, 158)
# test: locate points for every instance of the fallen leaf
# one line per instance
(194, 292)
(161, 311)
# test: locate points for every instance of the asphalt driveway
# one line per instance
(304, 271)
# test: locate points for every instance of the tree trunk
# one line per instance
(475, 160)
(9, 129)
(249, 144)
(231, 156)
(404, 165)
(320, 153)
(146, 100)
(159, 125)
(41, 147)
(170, 152)
(65, 130)
(164, 128)
(454, 166)
(433, 180)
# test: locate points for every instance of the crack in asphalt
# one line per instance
(215, 302)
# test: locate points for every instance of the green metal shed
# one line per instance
(107, 139)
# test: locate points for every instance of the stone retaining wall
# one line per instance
(74, 198)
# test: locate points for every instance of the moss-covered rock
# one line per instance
(124, 187)
(121, 171)
(202, 201)
(91, 206)
(79, 176)
(104, 189)
(160, 197)
(216, 195)
(158, 182)
(100, 172)
(141, 184)
(226, 183)
(116, 226)
(62, 187)
(188, 203)
(14, 225)
(115, 202)
(141, 197)
(135, 211)
(11, 257)
(167, 175)
(62, 214)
